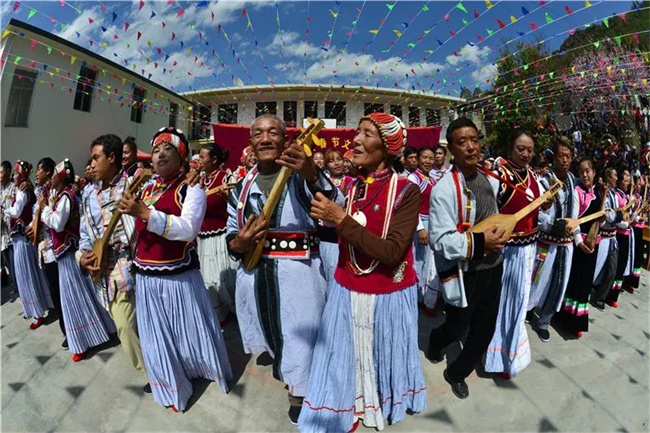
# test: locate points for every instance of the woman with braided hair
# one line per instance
(366, 363)
(87, 323)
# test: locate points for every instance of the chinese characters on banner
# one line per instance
(234, 138)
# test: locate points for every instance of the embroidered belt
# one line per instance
(557, 240)
(606, 232)
(296, 245)
(521, 239)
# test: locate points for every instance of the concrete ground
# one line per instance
(597, 383)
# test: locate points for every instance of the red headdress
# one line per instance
(391, 130)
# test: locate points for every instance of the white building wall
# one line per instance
(55, 129)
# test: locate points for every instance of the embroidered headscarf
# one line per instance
(391, 130)
(172, 136)
(65, 171)
(23, 168)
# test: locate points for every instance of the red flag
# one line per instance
(533, 26)
(501, 25)
(141, 5)
(126, 26)
(180, 12)
(243, 12)
(623, 16)
(568, 10)
(139, 35)
(476, 14)
(636, 38)
(90, 20)
(480, 38)
(173, 36)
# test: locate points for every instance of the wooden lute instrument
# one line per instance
(252, 256)
(590, 241)
(507, 222)
(100, 246)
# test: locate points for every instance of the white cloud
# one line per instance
(469, 54)
(487, 72)
(293, 45)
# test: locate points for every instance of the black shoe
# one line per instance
(294, 413)
(459, 389)
(64, 345)
(599, 305)
(530, 316)
(434, 355)
(147, 389)
(543, 335)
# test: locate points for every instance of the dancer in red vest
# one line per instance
(30, 279)
(218, 270)
(179, 333)
(366, 361)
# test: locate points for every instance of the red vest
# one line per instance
(516, 200)
(69, 237)
(216, 214)
(17, 225)
(156, 254)
(374, 203)
(426, 185)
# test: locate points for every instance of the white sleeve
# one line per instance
(57, 219)
(17, 208)
(186, 226)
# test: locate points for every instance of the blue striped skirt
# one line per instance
(509, 350)
(180, 336)
(425, 268)
(366, 362)
(32, 285)
(87, 323)
(219, 272)
(329, 253)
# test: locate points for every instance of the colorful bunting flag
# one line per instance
(513, 19)
(549, 20)
(390, 6)
(501, 24)
(488, 4)
(461, 7)
(32, 12)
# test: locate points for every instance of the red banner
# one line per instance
(234, 138)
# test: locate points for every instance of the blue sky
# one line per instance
(417, 46)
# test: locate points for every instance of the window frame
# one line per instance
(31, 76)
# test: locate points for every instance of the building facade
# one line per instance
(57, 97)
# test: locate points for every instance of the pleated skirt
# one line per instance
(32, 285)
(425, 268)
(509, 350)
(366, 362)
(575, 308)
(180, 336)
(219, 272)
(87, 323)
(632, 280)
(622, 266)
(329, 253)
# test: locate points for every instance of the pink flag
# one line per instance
(533, 26)
(447, 17)
(32, 44)
(126, 26)
(180, 12)
(141, 5)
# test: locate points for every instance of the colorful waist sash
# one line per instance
(294, 245)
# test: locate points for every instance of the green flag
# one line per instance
(461, 7)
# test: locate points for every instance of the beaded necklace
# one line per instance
(159, 189)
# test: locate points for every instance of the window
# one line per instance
(414, 116)
(227, 113)
(85, 87)
(173, 114)
(432, 117)
(20, 98)
(266, 108)
(202, 127)
(396, 110)
(137, 106)
(372, 108)
(290, 113)
(335, 110)
(311, 109)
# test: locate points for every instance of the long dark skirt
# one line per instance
(632, 280)
(574, 314)
(623, 255)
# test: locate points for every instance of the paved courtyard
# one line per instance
(597, 383)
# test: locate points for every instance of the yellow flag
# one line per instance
(573, 68)
(488, 4)
(587, 3)
(123, 80)
(57, 70)
(148, 43)
(398, 33)
(104, 45)
(6, 33)
(513, 19)
(72, 60)
(374, 31)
